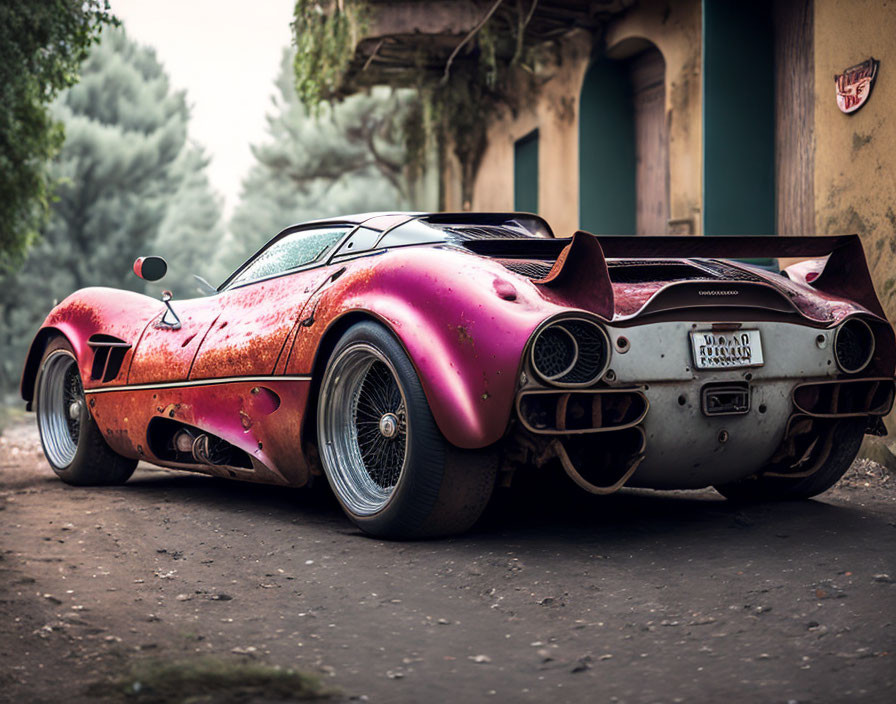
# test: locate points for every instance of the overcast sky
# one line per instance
(225, 54)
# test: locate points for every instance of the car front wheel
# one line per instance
(72, 442)
(390, 467)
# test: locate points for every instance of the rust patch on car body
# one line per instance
(446, 305)
(229, 411)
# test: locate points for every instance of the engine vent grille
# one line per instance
(488, 232)
(733, 273)
(634, 271)
(532, 269)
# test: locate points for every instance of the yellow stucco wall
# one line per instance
(675, 30)
(855, 155)
(554, 112)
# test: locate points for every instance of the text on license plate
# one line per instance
(726, 349)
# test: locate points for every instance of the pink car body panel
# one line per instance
(164, 354)
(96, 311)
(464, 320)
(256, 417)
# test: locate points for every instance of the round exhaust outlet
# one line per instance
(853, 345)
(571, 352)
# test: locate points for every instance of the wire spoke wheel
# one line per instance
(59, 408)
(386, 460)
(364, 428)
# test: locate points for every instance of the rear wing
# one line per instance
(726, 247)
(845, 274)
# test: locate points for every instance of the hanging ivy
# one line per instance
(325, 33)
(478, 87)
(478, 82)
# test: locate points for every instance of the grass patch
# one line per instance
(209, 680)
(11, 412)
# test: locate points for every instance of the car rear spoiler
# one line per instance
(583, 261)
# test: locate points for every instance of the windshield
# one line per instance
(292, 251)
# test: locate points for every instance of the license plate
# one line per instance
(727, 349)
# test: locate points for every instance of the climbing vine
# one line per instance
(493, 76)
(325, 33)
(488, 71)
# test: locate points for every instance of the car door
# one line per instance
(165, 353)
(262, 302)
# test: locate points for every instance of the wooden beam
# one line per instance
(437, 17)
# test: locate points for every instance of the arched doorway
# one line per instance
(624, 145)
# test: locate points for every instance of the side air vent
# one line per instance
(570, 352)
(172, 441)
(108, 356)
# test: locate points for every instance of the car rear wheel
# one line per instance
(847, 439)
(72, 442)
(390, 467)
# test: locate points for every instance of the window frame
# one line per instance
(343, 249)
(323, 259)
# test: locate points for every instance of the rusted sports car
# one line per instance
(416, 360)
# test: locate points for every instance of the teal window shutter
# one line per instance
(525, 173)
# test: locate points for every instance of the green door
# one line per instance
(738, 119)
(607, 151)
(525, 173)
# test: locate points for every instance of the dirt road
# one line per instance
(638, 597)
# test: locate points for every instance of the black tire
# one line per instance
(440, 490)
(88, 461)
(848, 436)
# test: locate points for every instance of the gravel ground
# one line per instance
(638, 597)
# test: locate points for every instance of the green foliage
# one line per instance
(459, 107)
(343, 158)
(42, 44)
(324, 38)
(208, 679)
(477, 82)
(476, 87)
(129, 184)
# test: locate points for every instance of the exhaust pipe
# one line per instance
(202, 450)
(183, 441)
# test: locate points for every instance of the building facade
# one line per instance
(713, 117)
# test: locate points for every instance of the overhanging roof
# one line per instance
(406, 37)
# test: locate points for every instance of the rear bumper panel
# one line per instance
(686, 446)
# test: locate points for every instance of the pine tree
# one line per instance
(42, 44)
(348, 158)
(129, 184)
(191, 231)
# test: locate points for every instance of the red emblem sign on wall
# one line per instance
(854, 85)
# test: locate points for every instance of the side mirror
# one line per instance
(150, 268)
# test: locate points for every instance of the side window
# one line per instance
(290, 252)
(362, 241)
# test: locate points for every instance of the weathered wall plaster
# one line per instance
(675, 30)
(855, 155)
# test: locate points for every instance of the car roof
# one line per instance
(526, 225)
(381, 220)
